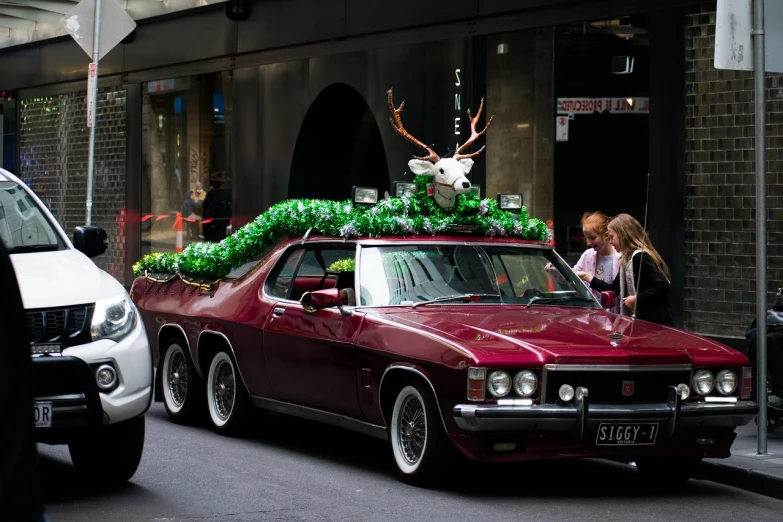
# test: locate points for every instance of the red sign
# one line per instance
(91, 87)
(627, 388)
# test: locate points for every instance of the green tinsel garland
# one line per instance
(404, 216)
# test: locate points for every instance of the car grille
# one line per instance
(69, 326)
(606, 387)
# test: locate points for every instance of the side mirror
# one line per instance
(329, 298)
(607, 299)
(89, 240)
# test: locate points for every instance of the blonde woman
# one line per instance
(601, 260)
(642, 269)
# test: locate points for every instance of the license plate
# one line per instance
(622, 434)
(43, 414)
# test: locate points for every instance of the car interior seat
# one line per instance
(345, 283)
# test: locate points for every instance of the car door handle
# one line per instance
(278, 311)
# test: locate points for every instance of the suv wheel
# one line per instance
(180, 384)
(109, 454)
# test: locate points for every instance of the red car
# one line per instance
(442, 345)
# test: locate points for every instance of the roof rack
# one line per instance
(307, 235)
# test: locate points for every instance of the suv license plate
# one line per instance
(622, 434)
(43, 414)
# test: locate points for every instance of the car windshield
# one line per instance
(23, 227)
(468, 274)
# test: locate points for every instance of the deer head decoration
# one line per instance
(448, 174)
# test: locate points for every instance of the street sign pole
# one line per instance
(83, 23)
(761, 224)
(92, 116)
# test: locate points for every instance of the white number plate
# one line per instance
(619, 434)
(43, 414)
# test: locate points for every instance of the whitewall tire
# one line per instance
(418, 440)
(181, 385)
(227, 399)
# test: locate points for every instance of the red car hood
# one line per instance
(495, 335)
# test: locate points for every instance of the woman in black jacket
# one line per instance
(643, 283)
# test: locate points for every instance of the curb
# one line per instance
(747, 479)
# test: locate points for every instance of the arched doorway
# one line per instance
(339, 146)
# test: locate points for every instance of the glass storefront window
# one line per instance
(186, 144)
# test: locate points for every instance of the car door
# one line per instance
(310, 356)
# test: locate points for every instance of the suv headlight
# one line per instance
(113, 318)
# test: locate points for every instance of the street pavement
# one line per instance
(746, 468)
(294, 470)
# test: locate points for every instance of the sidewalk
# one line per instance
(761, 474)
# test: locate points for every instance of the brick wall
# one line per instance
(720, 248)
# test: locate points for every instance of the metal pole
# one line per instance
(96, 45)
(761, 224)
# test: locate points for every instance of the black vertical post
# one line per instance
(133, 154)
(666, 223)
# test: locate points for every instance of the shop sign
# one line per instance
(628, 105)
(457, 105)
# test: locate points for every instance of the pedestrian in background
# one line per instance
(774, 352)
(20, 488)
(600, 260)
(189, 207)
(217, 212)
(199, 193)
(643, 282)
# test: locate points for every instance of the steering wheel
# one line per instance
(532, 292)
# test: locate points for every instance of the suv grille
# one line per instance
(606, 387)
(69, 326)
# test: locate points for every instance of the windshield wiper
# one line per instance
(554, 300)
(21, 249)
(466, 297)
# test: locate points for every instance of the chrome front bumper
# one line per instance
(581, 417)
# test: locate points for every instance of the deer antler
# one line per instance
(396, 123)
(473, 134)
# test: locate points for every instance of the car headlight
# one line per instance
(566, 392)
(499, 383)
(525, 383)
(684, 391)
(726, 382)
(703, 382)
(113, 318)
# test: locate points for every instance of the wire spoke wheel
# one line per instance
(177, 377)
(179, 383)
(227, 398)
(224, 389)
(412, 429)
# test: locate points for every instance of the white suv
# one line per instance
(92, 363)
